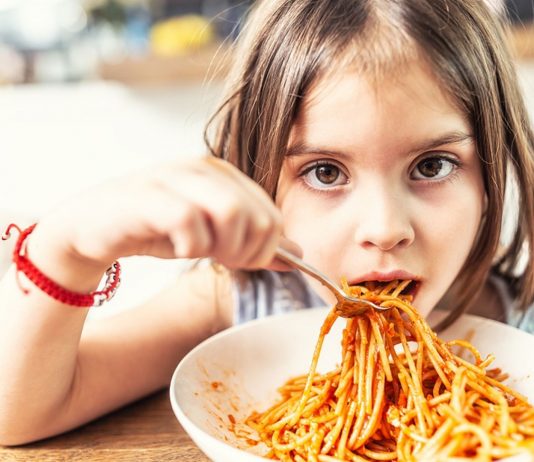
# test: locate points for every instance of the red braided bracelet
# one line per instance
(47, 285)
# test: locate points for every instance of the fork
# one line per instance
(347, 306)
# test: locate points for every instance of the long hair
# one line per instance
(289, 44)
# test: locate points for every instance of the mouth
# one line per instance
(377, 282)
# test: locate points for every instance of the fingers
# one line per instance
(230, 222)
(243, 222)
(198, 241)
(264, 234)
(246, 236)
(169, 228)
(261, 241)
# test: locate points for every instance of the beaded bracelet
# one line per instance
(50, 287)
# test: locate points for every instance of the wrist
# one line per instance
(50, 251)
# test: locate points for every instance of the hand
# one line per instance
(198, 208)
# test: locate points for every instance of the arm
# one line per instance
(112, 362)
(56, 373)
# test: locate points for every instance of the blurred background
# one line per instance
(92, 89)
(131, 41)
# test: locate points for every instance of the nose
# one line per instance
(385, 220)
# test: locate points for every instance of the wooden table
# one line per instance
(144, 431)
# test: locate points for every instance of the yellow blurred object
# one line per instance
(179, 35)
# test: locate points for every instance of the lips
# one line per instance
(384, 277)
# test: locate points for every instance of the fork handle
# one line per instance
(296, 262)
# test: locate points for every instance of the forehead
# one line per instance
(413, 81)
(406, 102)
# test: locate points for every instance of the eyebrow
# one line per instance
(447, 138)
(298, 149)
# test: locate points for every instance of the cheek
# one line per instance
(295, 211)
(449, 217)
(446, 236)
(452, 231)
(464, 220)
(315, 227)
(302, 226)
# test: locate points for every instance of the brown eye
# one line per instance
(324, 175)
(430, 167)
(327, 174)
(433, 168)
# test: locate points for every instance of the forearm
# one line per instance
(39, 343)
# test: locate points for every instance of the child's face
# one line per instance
(383, 182)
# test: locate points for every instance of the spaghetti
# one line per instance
(399, 394)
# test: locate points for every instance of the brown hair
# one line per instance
(289, 44)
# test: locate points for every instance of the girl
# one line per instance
(376, 138)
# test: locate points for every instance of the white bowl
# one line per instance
(249, 362)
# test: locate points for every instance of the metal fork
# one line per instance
(347, 306)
